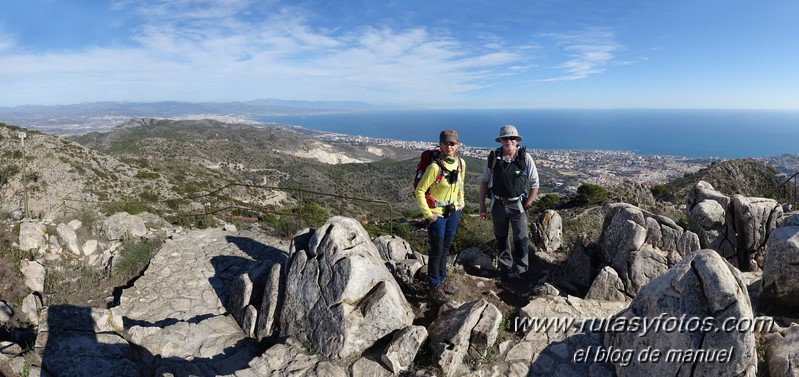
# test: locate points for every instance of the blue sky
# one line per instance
(475, 54)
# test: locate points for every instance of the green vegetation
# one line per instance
(135, 257)
(131, 208)
(144, 174)
(590, 194)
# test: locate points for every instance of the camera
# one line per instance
(449, 209)
(452, 177)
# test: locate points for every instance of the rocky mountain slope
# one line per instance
(333, 300)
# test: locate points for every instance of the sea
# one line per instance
(686, 133)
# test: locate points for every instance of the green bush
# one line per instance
(548, 201)
(144, 174)
(661, 192)
(135, 257)
(590, 194)
(149, 196)
(132, 208)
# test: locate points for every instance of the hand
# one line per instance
(434, 216)
(528, 204)
(483, 213)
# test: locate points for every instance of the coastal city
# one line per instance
(599, 167)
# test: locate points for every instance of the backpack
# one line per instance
(520, 160)
(427, 157)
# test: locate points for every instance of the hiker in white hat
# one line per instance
(511, 180)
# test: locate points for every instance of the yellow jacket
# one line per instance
(443, 192)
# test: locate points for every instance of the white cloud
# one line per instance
(589, 53)
(223, 50)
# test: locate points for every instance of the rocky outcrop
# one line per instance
(782, 352)
(399, 258)
(607, 286)
(121, 225)
(736, 227)
(547, 231)
(701, 290)
(468, 330)
(640, 245)
(755, 219)
(781, 272)
(341, 286)
(79, 341)
(403, 348)
(32, 236)
(573, 327)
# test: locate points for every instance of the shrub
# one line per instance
(132, 208)
(135, 257)
(144, 174)
(590, 194)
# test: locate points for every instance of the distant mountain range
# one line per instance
(93, 116)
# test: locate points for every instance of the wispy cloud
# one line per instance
(589, 53)
(211, 49)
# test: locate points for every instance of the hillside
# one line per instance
(747, 177)
(204, 155)
(60, 172)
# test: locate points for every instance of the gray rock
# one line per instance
(121, 225)
(782, 356)
(547, 231)
(68, 237)
(755, 219)
(341, 285)
(642, 245)
(75, 224)
(5, 312)
(239, 295)
(365, 367)
(32, 236)
(31, 305)
(781, 271)
(702, 285)
(34, 274)
(403, 347)
(393, 248)
(450, 334)
(607, 286)
(69, 345)
(89, 247)
(269, 304)
(705, 191)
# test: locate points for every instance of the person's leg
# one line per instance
(435, 234)
(500, 220)
(518, 221)
(450, 228)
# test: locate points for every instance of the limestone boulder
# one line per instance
(340, 285)
(403, 347)
(79, 341)
(467, 330)
(34, 273)
(607, 286)
(122, 225)
(547, 231)
(781, 271)
(703, 291)
(782, 352)
(68, 237)
(32, 236)
(755, 219)
(640, 245)
(715, 230)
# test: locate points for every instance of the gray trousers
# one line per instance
(515, 260)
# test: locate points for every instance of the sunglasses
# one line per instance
(449, 143)
(506, 138)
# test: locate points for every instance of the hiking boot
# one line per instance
(449, 288)
(438, 296)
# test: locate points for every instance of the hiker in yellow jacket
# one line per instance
(439, 195)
